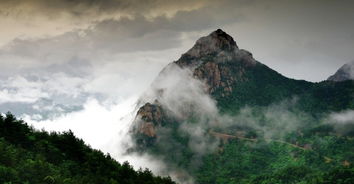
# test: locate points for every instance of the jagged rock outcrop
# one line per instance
(215, 60)
(346, 72)
(149, 116)
(151, 113)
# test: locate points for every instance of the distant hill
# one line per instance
(346, 72)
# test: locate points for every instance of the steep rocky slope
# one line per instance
(230, 75)
(208, 58)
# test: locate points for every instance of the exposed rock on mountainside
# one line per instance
(346, 72)
(216, 47)
(215, 60)
(217, 77)
(150, 115)
(216, 43)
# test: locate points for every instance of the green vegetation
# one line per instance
(264, 86)
(310, 152)
(38, 157)
(313, 155)
(329, 160)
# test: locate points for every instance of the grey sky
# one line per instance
(300, 39)
(68, 51)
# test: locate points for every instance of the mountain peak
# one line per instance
(215, 42)
(346, 72)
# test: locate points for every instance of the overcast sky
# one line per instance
(60, 58)
(300, 39)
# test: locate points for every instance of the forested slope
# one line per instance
(31, 156)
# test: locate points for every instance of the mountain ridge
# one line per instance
(210, 90)
(233, 77)
(221, 67)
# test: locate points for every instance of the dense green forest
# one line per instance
(265, 86)
(313, 155)
(329, 160)
(28, 156)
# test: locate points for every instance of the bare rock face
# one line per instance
(211, 73)
(346, 72)
(217, 77)
(217, 46)
(148, 129)
(214, 58)
(150, 113)
(149, 116)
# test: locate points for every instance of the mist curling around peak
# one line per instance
(217, 115)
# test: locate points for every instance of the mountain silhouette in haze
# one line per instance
(346, 72)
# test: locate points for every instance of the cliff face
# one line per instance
(219, 77)
(215, 60)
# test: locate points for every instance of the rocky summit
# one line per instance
(215, 60)
(216, 42)
(217, 47)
